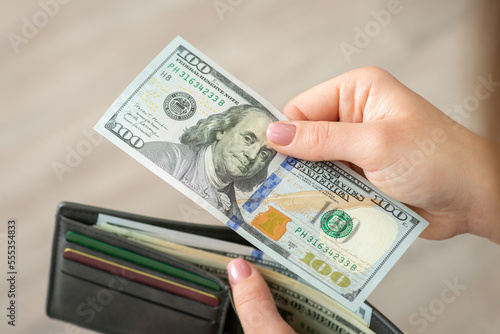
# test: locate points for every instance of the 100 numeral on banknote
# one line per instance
(204, 132)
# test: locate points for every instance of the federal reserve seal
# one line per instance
(179, 106)
(336, 224)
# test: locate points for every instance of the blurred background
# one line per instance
(62, 64)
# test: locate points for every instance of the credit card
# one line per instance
(144, 261)
(141, 277)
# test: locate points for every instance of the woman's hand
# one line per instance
(402, 144)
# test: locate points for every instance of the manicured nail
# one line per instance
(238, 270)
(281, 133)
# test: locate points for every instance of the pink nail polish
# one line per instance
(281, 133)
(238, 270)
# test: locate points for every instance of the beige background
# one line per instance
(65, 76)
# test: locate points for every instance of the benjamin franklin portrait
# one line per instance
(220, 153)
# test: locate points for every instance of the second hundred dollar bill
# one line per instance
(204, 132)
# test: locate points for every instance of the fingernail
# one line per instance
(281, 133)
(238, 270)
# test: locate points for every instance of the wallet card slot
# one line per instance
(95, 306)
(137, 291)
(132, 288)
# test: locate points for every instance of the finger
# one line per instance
(317, 103)
(354, 142)
(253, 300)
(342, 98)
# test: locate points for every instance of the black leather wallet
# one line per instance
(106, 302)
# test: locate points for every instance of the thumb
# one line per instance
(253, 301)
(324, 140)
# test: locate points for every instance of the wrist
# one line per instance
(482, 181)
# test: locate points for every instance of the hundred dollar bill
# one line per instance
(204, 132)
